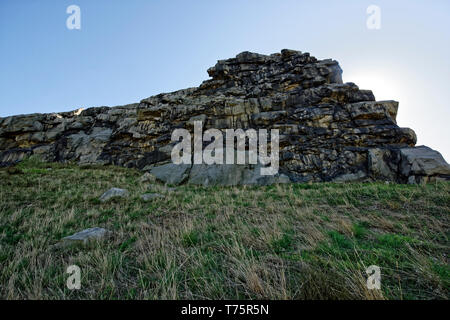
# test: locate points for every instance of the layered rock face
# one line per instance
(329, 130)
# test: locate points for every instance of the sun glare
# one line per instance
(383, 86)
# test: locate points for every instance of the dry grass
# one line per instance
(278, 242)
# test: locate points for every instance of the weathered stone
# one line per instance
(13, 156)
(373, 110)
(153, 157)
(151, 196)
(147, 178)
(329, 130)
(232, 175)
(210, 175)
(202, 118)
(171, 173)
(351, 177)
(114, 193)
(383, 164)
(422, 161)
(85, 236)
(265, 118)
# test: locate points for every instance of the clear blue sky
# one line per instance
(129, 50)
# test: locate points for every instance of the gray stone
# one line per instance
(373, 110)
(351, 177)
(85, 236)
(328, 129)
(171, 173)
(202, 118)
(147, 178)
(232, 175)
(380, 162)
(265, 118)
(151, 196)
(256, 178)
(113, 193)
(422, 161)
(210, 175)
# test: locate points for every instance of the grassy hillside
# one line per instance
(298, 241)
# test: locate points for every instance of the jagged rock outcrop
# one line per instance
(329, 130)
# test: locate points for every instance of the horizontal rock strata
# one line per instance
(329, 130)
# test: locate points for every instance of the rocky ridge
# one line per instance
(329, 130)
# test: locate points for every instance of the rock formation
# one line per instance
(329, 130)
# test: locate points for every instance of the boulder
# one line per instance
(216, 174)
(422, 161)
(171, 173)
(383, 164)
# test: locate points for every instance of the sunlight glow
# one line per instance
(383, 85)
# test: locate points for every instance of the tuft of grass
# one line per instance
(296, 241)
(191, 238)
(283, 243)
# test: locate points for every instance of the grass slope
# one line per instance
(298, 241)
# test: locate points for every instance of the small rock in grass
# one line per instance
(147, 177)
(114, 192)
(151, 196)
(85, 236)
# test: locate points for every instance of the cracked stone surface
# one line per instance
(329, 130)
